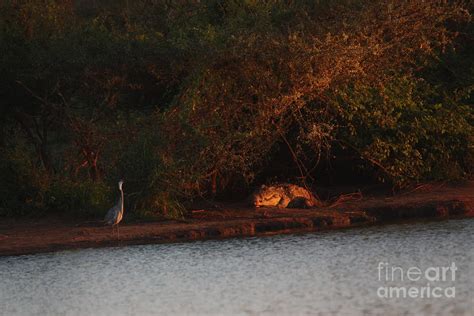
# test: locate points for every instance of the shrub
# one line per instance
(405, 130)
(23, 184)
(178, 97)
(81, 198)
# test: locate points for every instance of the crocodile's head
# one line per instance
(266, 196)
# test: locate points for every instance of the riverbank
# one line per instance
(226, 221)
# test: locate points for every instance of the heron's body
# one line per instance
(115, 214)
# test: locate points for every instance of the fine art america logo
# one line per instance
(434, 280)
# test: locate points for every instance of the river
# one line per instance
(349, 272)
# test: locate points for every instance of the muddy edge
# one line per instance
(294, 221)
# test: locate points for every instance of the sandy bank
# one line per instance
(436, 202)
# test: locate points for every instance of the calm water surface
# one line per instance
(322, 273)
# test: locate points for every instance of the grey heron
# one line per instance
(115, 214)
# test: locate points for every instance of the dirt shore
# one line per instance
(225, 221)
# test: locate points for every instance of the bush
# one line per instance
(406, 130)
(23, 184)
(27, 189)
(182, 99)
(82, 198)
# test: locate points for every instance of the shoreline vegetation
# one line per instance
(192, 101)
(440, 202)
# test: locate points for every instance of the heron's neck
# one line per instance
(121, 200)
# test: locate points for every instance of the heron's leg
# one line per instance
(118, 232)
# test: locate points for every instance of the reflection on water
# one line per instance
(334, 272)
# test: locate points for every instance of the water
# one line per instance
(322, 273)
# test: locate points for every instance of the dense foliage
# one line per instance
(190, 98)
